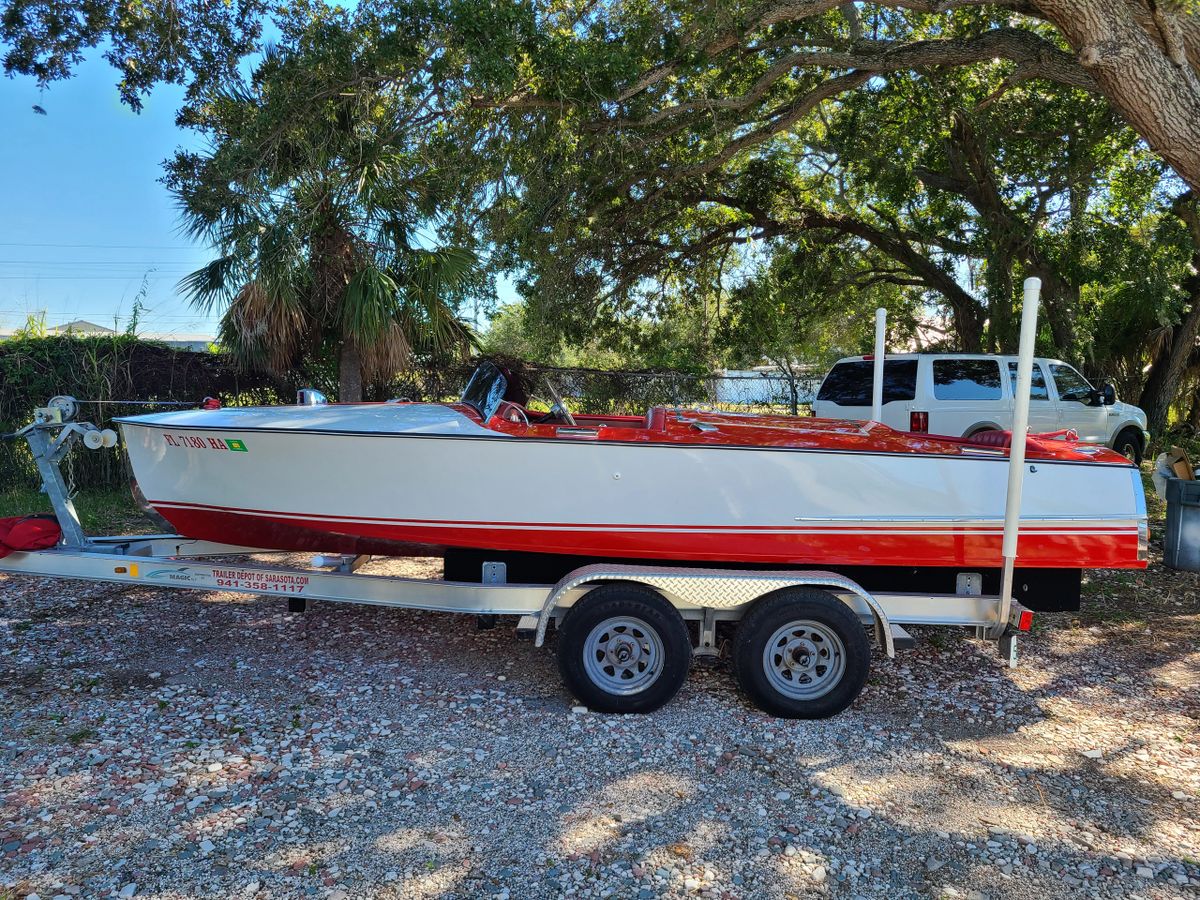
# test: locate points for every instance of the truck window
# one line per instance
(966, 379)
(1071, 385)
(1037, 385)
(849, 383)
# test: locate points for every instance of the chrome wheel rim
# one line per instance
(804, 660)
(623, 655)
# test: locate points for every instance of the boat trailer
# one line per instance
(626, 634)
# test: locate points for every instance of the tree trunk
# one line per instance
(350, 386)
(1168, 369)
(1000, 301)
(1143, 56)
(972, 175)
(1059, 299)
(1171, 363)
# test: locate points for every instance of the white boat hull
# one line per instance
(393, 492)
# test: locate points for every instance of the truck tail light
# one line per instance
(918, 422)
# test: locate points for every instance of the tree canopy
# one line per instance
(951, 149)
(323, 196)
(696, 183)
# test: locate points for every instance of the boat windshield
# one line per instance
(485, 390)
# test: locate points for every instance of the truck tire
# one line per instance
(624, 649)
(1129, 444)
(801, 653)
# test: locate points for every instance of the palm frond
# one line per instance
(434, 273)
(387, 355)
(262, 331)
(427, 316)
(213, 284)
(370, 305)
(434, 329)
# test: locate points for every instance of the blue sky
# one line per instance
(82, 215)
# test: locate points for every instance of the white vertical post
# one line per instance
(880, 349)
(1016, 452)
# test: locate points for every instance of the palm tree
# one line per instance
(319, 192)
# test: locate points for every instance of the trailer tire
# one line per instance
(624, 649)
(801, 653)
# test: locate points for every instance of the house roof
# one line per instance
(81, 326)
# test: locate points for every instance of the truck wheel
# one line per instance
(624, 649)
(1129, 444)
(801, 653)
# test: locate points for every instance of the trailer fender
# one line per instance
(711, 589)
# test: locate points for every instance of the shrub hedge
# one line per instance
(104, 372)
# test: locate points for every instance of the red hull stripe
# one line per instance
(951, 545)
(816, 526)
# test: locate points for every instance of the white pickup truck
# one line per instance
(962, 394)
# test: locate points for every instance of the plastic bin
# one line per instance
(1181, 550)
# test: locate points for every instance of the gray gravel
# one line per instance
(165, 744)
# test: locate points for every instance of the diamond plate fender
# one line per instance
(710, 588)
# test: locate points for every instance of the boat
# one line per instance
(489, 478)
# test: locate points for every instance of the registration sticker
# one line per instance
(198, 443)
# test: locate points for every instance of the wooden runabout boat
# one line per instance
(489, 474)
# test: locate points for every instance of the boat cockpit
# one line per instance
(496, 392)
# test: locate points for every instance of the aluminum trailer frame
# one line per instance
(703, 595)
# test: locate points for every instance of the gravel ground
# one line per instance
(172, 744)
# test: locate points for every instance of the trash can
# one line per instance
(1181, 550)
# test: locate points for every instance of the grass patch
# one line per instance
(75, 738)
(102, 511)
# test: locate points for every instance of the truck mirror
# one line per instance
(1108, 395)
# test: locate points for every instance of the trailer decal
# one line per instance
(179, 573)
(243, 579)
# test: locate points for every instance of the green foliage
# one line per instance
(323, 192)
(191, 42)
(705, 193)
(102, 510)
(34, 327)
(105, 370)
(814, 303)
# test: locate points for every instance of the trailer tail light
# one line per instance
(1025, 622)
(918, 422)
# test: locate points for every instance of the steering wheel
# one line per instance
(513, 412)
(558, 409)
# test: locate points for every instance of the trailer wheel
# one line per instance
(624, 649)
(801, 653)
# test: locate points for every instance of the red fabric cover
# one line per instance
(28, 533)
(991, 438)
(1034, 441)
(1063, 434)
